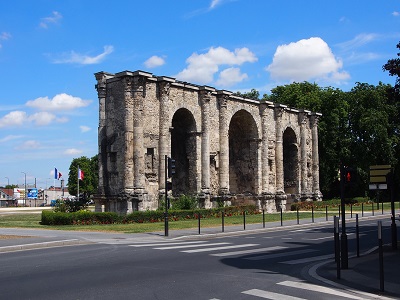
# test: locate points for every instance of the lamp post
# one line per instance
(25, 189)
(8, 184)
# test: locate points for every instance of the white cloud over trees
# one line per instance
(202, 67)
(304, 60)
(154, 61)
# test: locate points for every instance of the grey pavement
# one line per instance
(362, 274)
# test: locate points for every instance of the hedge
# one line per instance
(307, 205)
(88, 217)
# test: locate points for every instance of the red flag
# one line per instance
(80, 174)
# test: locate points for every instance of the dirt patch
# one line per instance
(9, 237)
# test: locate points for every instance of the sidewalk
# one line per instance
(363, 273)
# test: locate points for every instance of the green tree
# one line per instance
(334, 140)
(253, 94)
(393, 67)
(87, 186)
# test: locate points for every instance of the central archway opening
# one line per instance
(243, 154)
(290, 162)
(183, 150)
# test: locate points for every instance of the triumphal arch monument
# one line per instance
(227, 148)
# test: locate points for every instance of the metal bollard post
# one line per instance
(298, 217)
(326, 212)
(362, 209)
(351, 210)
(373, 212)
(382, 206)
(244, 220)
(337, 245)
(223, 221)
(380, 244)
(312, 213)
(357, 236)
(281, 217)
(198, 217)
(263, 212)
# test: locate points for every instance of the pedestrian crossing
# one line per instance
(294, 286)
(247, 251)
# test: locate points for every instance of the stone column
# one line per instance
(101, 88)
(264, 150)
(303, 119)
(164, 148)
(128, 135)
(205, 97)
(101, 78)
(138, 138)
(315, 158)
(267, 195)
(223, 143)
(280, 195)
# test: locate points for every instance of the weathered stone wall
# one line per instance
(226, 148)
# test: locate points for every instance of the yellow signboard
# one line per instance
(377, 174)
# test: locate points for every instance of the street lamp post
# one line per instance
(25, 189)
(8, 184)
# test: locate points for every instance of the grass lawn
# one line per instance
(28, 220)
(32, 220)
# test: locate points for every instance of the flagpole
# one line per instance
(78, 182)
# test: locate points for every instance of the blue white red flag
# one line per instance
(80, 174)
(57, 175)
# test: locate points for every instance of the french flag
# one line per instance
(57, 175)
(80, 174)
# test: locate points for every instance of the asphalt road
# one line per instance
(272, 264)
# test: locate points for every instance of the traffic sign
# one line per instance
(377, 174)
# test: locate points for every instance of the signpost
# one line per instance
(380, 177)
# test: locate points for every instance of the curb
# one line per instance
(52, 244)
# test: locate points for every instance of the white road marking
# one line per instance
(249, 251)
(306, 260)
(190, 246)
(220, 248)
(282, 254)
(270, 295)
(166, 243)
(317, 288)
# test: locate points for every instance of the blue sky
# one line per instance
(49, 51)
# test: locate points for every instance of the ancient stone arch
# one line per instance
(227, 148)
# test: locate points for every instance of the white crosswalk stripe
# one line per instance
(270, 295)
(307, 259)
(221, 249)
(299, 285)
(317, 288)
(190, 246)
(250, 251)
(281, 254)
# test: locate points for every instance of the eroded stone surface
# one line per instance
(226, 148)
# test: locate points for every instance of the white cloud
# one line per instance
(358, 41)
(42, 118)
(77, 58)
(396, 13)
(230, 76)
(84, 128)
(60, 102)
(14, 118)
(4, 36)
(154, 61)
(72, 151)
(305, 60)
(202, 67)
(31, 144)
(53, 19)
(9, 138)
